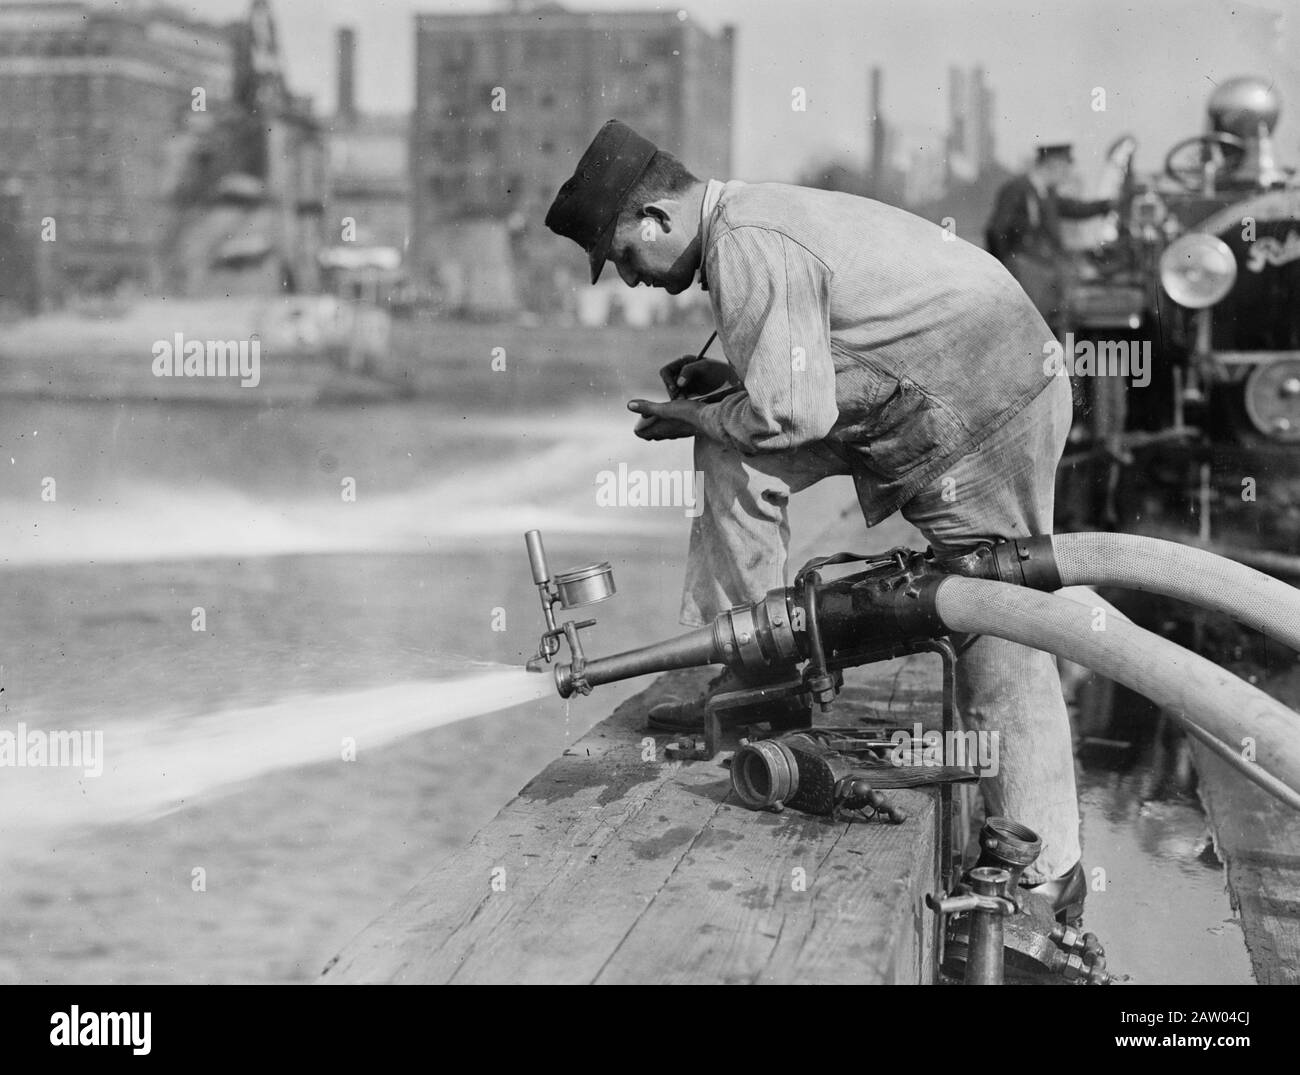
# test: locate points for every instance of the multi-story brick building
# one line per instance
(122, 124)
(506, 101)
(96, 110)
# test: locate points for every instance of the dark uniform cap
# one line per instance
(587, 206)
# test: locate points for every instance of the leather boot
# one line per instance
(1066, 894)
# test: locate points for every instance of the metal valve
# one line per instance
(570, 589)
(984, 898)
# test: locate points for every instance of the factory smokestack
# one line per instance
(347, 63)
(876, 131)
(958, 129)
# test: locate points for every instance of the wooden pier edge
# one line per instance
(1258, 840)
(615, 865)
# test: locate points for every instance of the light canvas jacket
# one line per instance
(858, 324)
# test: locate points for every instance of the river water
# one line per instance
(234, 835)
(299, 694)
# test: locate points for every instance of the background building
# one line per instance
(971, 143)
(506, 102)
(95, 115)
(248, 211)
(369, 161)
(169, 154)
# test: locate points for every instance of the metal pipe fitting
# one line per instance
(764, 774)
(537, 557)
(1008, 845)
(983, 898)
(1084, 945)
(985, 955)
(696, 647)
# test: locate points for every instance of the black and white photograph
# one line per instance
(755, 492)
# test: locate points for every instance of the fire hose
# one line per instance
(1196, 692)
(905, 597)
(1155, 566)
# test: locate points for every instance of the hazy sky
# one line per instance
(1157, 60)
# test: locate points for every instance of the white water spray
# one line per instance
(549, 482)
(151, 768)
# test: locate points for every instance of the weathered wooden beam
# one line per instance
(616, 865)
(1258, 838)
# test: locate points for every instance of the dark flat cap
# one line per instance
(587, 206)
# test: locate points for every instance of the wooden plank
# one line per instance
(801, 900)
(548, 841)
(1259, 841)
(619, 869)
(581, 900)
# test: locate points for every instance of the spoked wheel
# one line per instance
(1185, 164)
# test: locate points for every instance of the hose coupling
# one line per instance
(1008, 845)
(1028, 561)
(799, 771)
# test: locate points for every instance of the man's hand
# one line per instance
(693, 376)
(666, 421)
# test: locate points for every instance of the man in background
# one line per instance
(1024, 232)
